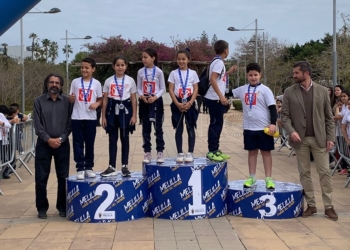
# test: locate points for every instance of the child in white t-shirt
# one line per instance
(151, 86)
(86, 94)
(259, 112)
(119, 114)
(183, 89)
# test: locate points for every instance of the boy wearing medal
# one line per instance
(259, 112)
(86, 94)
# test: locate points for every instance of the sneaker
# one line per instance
(249, 182)
(147, 158)
(42, 214)
(125, 171)
(90, 174)
(160, 158)
(309, 212)
(62, 213)
(189, 157)
(343, 172)
(331, 214)
(214, 157)
(180, 158)
(270, 184)
(80, 175)
(110, 171)
(222, 155)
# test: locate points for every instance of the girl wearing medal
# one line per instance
(259, 112)
(151, 86)
(86, 94)
(183, 89)
(119, 114)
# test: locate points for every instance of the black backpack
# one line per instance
(204, 81)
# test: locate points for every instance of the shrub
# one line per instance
(237, 104)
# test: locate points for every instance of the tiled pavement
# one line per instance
(20, 228)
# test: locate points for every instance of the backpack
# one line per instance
(204, 81)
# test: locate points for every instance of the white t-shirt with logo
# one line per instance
(217, 66)
(260, 100)
(111, 87)
(149, 85)
(174, 78)
(81, 109)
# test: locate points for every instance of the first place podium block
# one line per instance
(107, 199)
(189, 191)
(283, 202)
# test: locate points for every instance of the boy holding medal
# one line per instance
(259, 112)
(86, 94)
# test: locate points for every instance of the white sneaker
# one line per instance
(188, 157)
(180, 158)
(90, 174)
(160, 157)
(80, 175)
(147, 158)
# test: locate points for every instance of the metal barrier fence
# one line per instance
(16, 144)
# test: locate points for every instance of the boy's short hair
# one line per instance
(253, 66)
(12, 110)
(220, 46)
(16, 105)
(90, 60)
(4, 110)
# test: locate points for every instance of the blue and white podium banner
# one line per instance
(284, 202)
(107, 199)
(190, 191)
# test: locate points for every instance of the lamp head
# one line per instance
(232, 29)
(87, 37)
(54, 11)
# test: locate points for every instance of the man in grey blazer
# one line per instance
(307, 117)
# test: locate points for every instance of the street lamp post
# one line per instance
(52, 11)
(256, 35)
(334, 49)
(74, 38)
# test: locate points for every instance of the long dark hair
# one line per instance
(46, 81)
(331, 96)
(152, 53)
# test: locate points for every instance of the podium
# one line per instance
(189, 191)
(284, 202)
(107, 199)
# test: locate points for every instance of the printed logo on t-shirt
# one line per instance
(224, 78)
(81, 95)
(149, 87)
(113, 91)
(188, 93)
(248, 98)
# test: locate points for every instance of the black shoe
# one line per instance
(6, 176)
(42, 214)
(110, 171)
(125, 171)
(62, 214)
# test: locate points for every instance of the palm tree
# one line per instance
(70, 51)
(53, 51)
(36, 49)
(33, 36)
(46, 44)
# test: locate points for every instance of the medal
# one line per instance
(85, 94)
(149, 84)
(249, 113)
(120, 90)
(183, 86)
(121, 106)
(251, 99)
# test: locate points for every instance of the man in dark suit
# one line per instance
(307, 117)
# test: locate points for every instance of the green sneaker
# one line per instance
(214, 157)
(222, 155)
(249, 182)
(270, 184)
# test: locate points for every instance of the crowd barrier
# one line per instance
(17, 144)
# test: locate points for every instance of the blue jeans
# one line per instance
(84, 132)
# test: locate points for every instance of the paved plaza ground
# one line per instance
(21, 229)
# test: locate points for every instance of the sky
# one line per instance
(296, 21)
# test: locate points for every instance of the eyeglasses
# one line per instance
(52, 82)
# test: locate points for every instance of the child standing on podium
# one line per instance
(183, 89)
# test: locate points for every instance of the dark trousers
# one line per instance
(216, 114)
(43, 157)
(199, 100)
(113, 139)
(98, 118)
(178, 136)
(84, 132)
(158, 125)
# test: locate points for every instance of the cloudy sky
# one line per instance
(296, 21)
